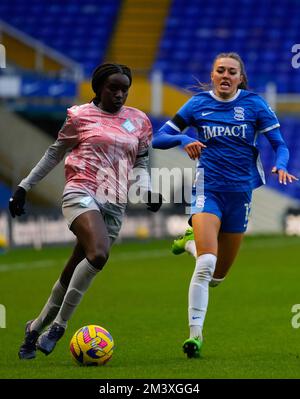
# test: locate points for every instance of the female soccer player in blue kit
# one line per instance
(228, 120)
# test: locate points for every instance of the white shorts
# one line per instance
(74, 204)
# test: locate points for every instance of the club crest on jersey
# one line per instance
(127, 125)
(239, 113)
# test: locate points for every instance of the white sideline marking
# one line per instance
(269, 243)
(11, 267)
(115, 258)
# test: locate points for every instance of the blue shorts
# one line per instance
(232, 208)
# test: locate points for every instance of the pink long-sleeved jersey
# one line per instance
(106, 148)
(103, 148)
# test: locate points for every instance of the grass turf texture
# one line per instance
(140, 297)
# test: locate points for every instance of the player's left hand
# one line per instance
(154, 201)
(283, 176)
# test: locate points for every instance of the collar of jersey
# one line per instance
(105, 112)
(225, 101)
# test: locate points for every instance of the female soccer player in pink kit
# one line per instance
(105, 141)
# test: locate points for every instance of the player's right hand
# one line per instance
(284, 177)
(154, 201)
(17, 202)
(194, 149)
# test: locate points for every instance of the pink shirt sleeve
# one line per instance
(68, 134)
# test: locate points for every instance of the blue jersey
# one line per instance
(229, 129)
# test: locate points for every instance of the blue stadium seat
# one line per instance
(58, 23)
(263, 34)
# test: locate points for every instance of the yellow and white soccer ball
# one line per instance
(92, 345)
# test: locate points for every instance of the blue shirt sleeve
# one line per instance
(186, 111)
(268, 124)
(170, 135)
(278, 144)
(266, 117)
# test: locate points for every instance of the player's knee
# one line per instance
(204, 274)
(98, 257)
(214, 282)
(205, 266)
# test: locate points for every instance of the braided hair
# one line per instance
(102, 72)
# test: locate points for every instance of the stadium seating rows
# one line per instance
(78, 29)
(263, 32)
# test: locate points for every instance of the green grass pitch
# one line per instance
(141, 298)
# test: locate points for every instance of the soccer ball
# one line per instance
(92, 346)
